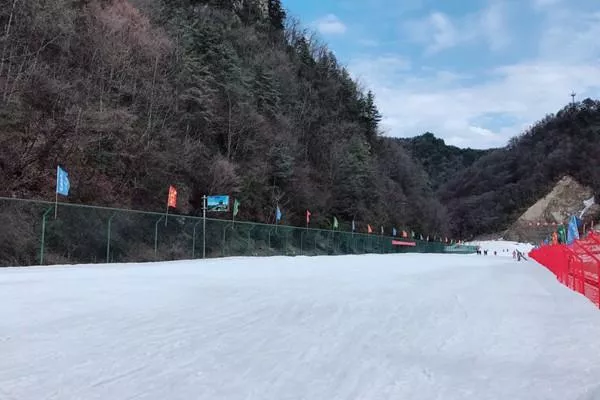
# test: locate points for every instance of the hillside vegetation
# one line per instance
(500, 186)
(212, 96)
(440, 161)
(233, 97)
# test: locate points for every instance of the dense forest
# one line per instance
(224, 96)
(497, 188)
(212, 96)
(440, 161)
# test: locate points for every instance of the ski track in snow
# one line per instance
(351, 327)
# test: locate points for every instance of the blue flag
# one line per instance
(62, 182)
(572, 230)
(278, 214)
(394, 231)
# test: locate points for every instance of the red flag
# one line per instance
(172, 201)
(308, 214)
(369, 229)
(404, 234)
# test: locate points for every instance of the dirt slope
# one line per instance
(542, 218)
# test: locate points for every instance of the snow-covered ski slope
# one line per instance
(353, 327)
(502, 248)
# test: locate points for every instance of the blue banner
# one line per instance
(62, 182)
(278, 214)
(217, 203)
(572, 230)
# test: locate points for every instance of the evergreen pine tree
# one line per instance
(371, 117)
(276, 14)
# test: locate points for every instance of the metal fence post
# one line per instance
(302, 243)
(204, 205)
(194, 239)
(270, 230)
(156, 236)
(108, 238)
(225, 238)
(249, 231)
(287, 236)
(43, 239)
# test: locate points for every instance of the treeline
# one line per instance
(500, 186)
(212, 96)
(441, 161)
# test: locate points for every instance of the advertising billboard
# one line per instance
(217, 203)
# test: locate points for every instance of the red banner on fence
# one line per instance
(401, 243)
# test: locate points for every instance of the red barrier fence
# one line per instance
(576, 265)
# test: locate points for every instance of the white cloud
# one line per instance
(384, 65)
(525, 92)
(487, 109)
(539, 4)
(331, 24)
(445, 34)
(571, 36)
(368, 43)
(440, 32)
(436, 31)
(493, 24)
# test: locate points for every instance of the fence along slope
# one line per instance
(90, 234)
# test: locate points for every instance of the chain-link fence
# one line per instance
(31, 234)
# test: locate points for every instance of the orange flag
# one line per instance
(172, 202)
(369, 229)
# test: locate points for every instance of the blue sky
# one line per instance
(474, 72)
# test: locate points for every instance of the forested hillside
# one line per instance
(441, 161)
(497, 188)
(231, 96)
(213, 96)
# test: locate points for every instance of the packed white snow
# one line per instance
(354, 327)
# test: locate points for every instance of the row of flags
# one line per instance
(404, 234)
(63, 187)
(568, 234)
(574, 229)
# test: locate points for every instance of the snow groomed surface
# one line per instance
(351, 327)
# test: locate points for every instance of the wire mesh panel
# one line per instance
(20, 230)
(37, 232)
